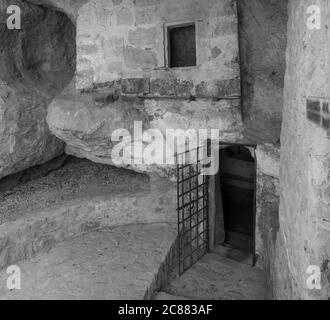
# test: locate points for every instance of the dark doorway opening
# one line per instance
(236, 190)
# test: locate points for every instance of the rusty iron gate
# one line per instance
(192, 208)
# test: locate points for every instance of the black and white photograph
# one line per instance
(164, 156)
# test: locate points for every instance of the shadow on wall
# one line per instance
(36, 63)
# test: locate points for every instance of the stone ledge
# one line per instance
(40, 231)
(108, 264)
(162, 277)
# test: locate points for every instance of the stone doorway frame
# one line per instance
(216, 223)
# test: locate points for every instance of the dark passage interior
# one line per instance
(237, 181)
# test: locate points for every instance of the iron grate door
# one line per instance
(192, 194)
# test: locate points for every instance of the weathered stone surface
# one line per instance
(25, 139)
(127, 262)
(24, 176)
(304, 237)
(143, 16)
(215, 277)
(140, 25)
(113, 47)
(77, 120)
(222, 115)
(262, 39)
(219, 89)
(268, 158)
(125, 17)
(78, 198)
(267, 220)
(142, 37)
(36, 63)
(136, 58)
(267, 205)
(171, 87)
(137, 54)
(87, 128)
(135, 85)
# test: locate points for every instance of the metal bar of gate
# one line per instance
(192, 210)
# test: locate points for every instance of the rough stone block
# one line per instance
(142, 37)
(136, 58)
(145, 16)
(225, 29)
(267, 217)
(135, 85)
(171, 87)
(113, 47)
(115, 67)
(84, 78)
(222, 88)
(125, 17)
(179, 114)
(162, 87)
(268, 159)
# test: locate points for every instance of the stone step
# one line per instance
(79, 197)
(125, 262)
(234, 254)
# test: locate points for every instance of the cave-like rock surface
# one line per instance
(36, 63)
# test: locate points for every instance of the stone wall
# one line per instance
(121, 55)
(122, 74)
(267, 205)
(304, 235)
(262, 40)
(36, 63)
(125, 40)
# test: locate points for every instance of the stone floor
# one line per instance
(216, 278)
(131, 221)
(117, 263)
